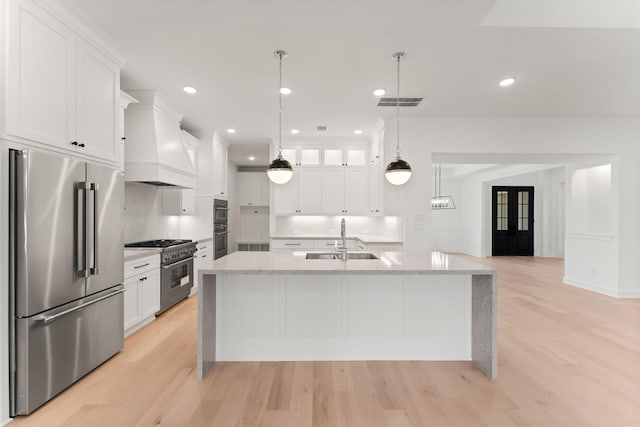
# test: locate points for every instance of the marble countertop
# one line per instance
(364, 238)
(131, 254)
(388, 263)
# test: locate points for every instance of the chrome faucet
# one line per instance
(342, 250)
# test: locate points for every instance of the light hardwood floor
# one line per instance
(566, 357)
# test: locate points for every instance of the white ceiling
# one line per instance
(340, 51)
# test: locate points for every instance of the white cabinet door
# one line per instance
(376, 175)
(263, 180)
(344, 191)
(220, 170)
(333, 191)
(41, 101)
(286, 196)
(149, 293)
(310, 191)
(355, 194)
(249, 188)
(61, 91)
(130, 302)
(98, 103)
(178, 202)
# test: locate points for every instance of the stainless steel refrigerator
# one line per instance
(66, 272)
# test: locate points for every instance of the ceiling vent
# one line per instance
(404, 102)
(321, 128)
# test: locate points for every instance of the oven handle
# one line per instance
(221, 209)
(178, 263)
(221, 232)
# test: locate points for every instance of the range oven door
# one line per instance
(176, 281)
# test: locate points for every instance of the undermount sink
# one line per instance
(335, 255)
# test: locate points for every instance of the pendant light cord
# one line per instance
(398, 56)
(280, 111)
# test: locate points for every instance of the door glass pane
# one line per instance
(523, 210)
(502, 201)
(309, 157)
(333, 157)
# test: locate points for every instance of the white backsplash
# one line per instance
(144, 219)
(389, 226)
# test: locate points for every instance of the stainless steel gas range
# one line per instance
(176, 277)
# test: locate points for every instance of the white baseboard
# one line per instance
(593, 287)
(7, 421)
(629, 294)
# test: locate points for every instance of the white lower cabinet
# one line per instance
(142, 292)
(203, 261)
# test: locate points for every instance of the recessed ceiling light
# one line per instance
(295, 131)
(508, 81)
(230, 130)
(190, 90)
(252, 158)
(285, 90)
(379, 92)
(358, 131)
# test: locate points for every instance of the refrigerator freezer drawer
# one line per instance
(56, 348)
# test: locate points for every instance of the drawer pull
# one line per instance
(142, 265)
(293, 244)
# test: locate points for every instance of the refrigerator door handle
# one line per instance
(49, 319)
(96, 227)
(81, 228)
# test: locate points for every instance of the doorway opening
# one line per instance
(512, 221)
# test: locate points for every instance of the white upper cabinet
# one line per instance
(253, 189)
(301, 195)
(221, 169)
(41, 77)
(376, 148)
(98, 103)
(343, 191)
(62, 92)
(178, 201)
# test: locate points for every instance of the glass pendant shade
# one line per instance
(280, 170)
(398, 172)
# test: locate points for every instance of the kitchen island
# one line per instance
(273, 306)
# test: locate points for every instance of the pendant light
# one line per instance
(280, 170)
(439, 201)
(398, 171)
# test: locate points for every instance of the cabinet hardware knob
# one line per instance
(74, 142)
(81, 145)
(124, 138)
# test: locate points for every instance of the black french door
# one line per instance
(512, 221)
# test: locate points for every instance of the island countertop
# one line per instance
(388, 263)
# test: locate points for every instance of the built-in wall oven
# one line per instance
(220, 230)
(220, 211)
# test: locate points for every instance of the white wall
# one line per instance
(592, 227)
(467, 229)
(421, 137)
(144, 218)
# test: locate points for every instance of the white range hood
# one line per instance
(154, 150)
